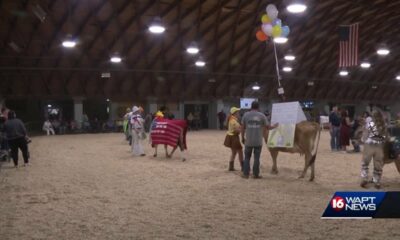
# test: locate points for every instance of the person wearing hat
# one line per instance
(232, 138)
(137, 132)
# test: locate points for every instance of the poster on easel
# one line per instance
(287, 114)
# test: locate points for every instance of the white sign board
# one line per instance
(287, 113)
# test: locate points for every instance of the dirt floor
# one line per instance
(91, 187)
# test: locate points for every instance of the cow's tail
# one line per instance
(315, 149)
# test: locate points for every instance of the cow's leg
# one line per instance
(155, 150)
(274, 156)
(312, 172)
(307, 159)
(166, 151)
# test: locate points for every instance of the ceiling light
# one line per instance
(374, 87)
(290, 57)
(280, 40)
(398, 77)
(256, 87)
(49, 105)
(296, 8)
(108, 100)
(287, 69)
(383, 51)
(343, 73)
(310, 83)
(115, 59)
(156, 27)
(69, 43)
(192, 50)
(365, 65)
(200, 63)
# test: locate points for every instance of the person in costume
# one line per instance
(137, 132)
(232, 140)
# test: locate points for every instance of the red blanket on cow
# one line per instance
(168, 132)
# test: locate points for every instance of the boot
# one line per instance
(231, 167)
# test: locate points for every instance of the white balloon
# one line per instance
(272, 11)
(267, 29)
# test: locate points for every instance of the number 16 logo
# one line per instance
(337, 203)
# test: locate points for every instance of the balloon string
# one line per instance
(277, 65)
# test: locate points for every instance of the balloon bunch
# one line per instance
(271, 25)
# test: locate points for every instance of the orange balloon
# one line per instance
(260, 35)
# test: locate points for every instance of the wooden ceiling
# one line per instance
(33, 62)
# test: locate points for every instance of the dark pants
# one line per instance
(335, 138)
(21, 144)
(221, 124)
(256, 165)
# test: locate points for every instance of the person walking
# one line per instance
(334, 124)
(374, 149)
(232, 138)
(17, 138)
(254, 126)
(137, 132)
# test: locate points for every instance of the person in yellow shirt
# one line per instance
(232, 138)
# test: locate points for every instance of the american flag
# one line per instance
(348, 45)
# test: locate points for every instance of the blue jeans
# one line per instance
(256, 165)
(335, 138)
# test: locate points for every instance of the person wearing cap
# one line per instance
(137, 132)
(232, 140)
(254, 126)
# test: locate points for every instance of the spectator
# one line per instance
(190, 118)
(254, 126)
(48, 127)
(221, 119)
(17, 137)
(344, 130)
(137, 132)
(334, 124)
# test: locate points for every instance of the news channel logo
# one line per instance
(363, 205)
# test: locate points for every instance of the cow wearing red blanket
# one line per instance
(169, 133)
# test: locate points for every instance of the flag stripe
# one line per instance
(348, 45)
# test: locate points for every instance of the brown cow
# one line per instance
(306, 139)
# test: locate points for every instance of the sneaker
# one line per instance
(142, 155)
(257, 177)
(26, 164)
(244, 176)
(364, 183)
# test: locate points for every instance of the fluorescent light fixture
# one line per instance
(69, 43)
(280, 40)
(310, 83)
(398, 77)
(383, 51)
(290, 57)
(365, 65)
(192, 50)
(374, 87)
(200, 63)
(296, 8)
(156, 26)
(256, 87)
(115, 59)
(287, 69)
(108, 100)
(343, 73)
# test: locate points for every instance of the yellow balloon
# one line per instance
(265, 19)
(276, 31)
